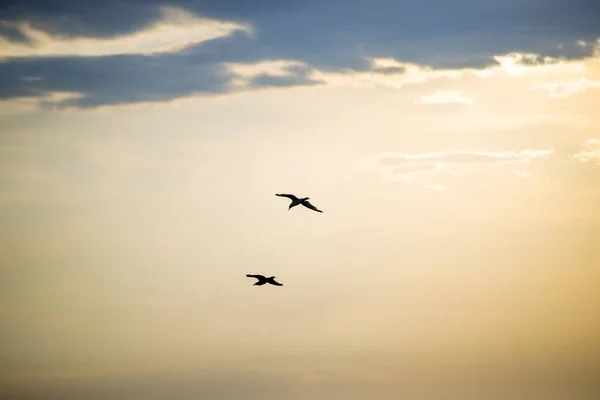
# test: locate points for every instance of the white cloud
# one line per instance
(176, 30)
(559, 90)
(271, 67)
(518, 63)
(588, 156)
(386, 72)
(530, 63)
(393, 73)
(590, 151)
(385, 63)
(445, 97)
(245, 72)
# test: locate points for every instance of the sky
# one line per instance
(454, 148)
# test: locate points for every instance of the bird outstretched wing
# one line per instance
(274, 282)
(259, 277)
(307, 204)
(289, 196)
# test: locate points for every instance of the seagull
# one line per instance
(262, 280)
(295, 201)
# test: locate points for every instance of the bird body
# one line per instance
(264, 280)
(297, 201)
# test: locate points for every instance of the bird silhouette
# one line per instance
(263, 280)
(296, 201)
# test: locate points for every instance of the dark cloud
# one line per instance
(389, 70)
(75, 18)
(265, 80)
(332, 35)
(113, 80)
(125, 79)
(12, 34)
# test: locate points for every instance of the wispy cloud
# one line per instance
(273, 73)
(28, 104)
(271, 67)
(410, 167)
(588, 156)
(466, 156)
(560, 90)
(176, 30)
(590, 152)
(394, 73)
(445, 97)
(387, 72)
(519, 120)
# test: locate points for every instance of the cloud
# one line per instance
(590, 152)
(412, 167)
(560, 90)
(588, 156)
(174, 31)
(270, 73)
(519, 120)
(28, 104)
(465, 156)
(269, 81)
(132, 78)
(141, 79)
(516, 63)
(386, 73)
(396, 74)
(204, 70)
(278, 68)
(445, 97)
(118, 53)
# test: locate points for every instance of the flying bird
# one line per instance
(262, 280)
(295, 201)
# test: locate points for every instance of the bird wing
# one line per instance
(307, 204)
(274, 282)
(259, 277)
(289, 196)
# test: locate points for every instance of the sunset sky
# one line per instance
(454, 148)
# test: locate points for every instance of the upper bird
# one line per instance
(295, 201)
(262, 280)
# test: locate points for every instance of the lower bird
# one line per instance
(296, 201)
(263, 280)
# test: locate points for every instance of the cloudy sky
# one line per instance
(454, 148)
